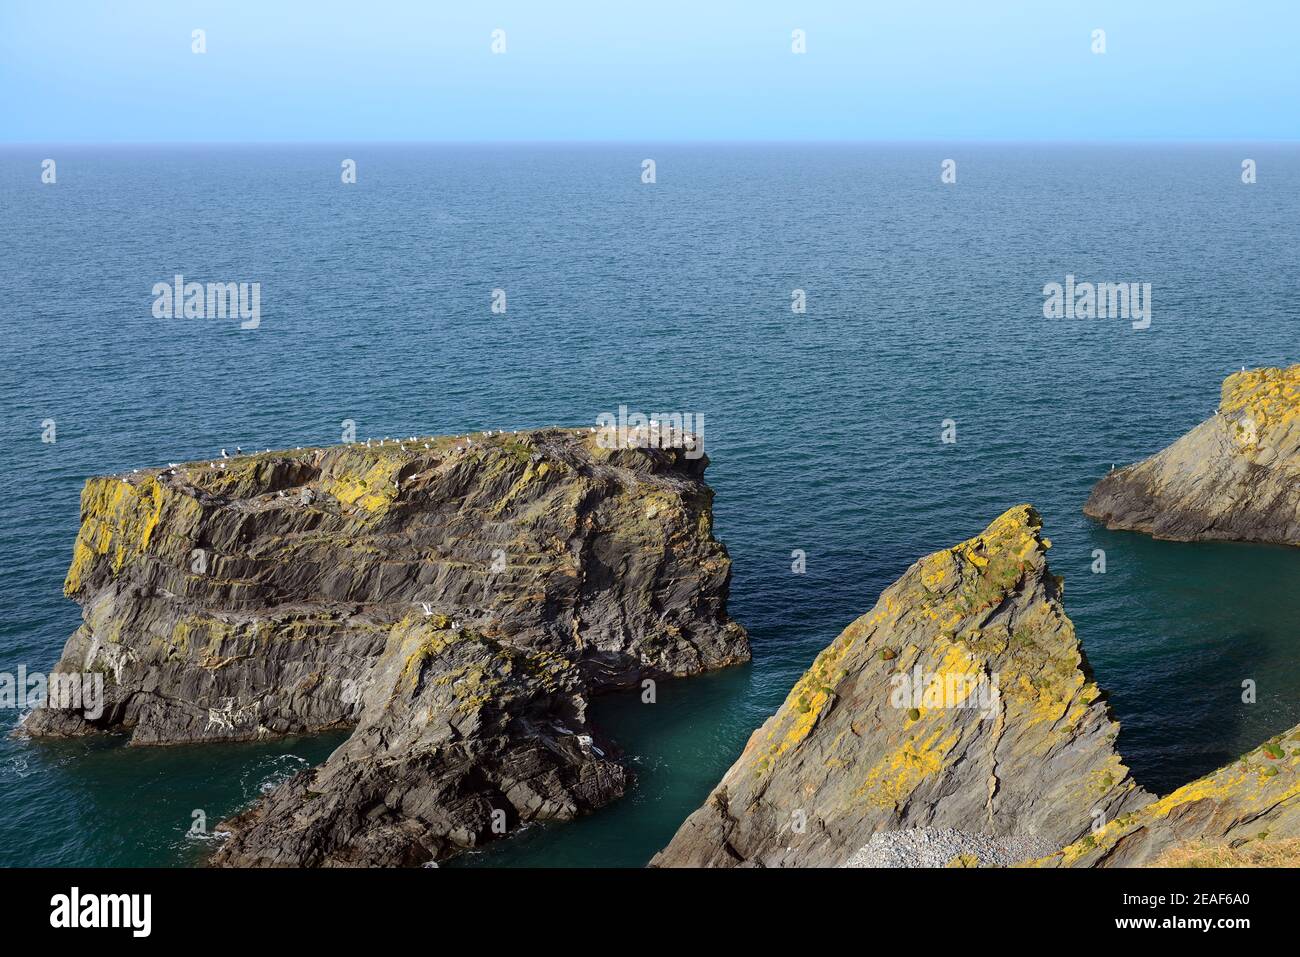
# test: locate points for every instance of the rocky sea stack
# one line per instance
(1234, 476)
(456, 600)
(961, 702)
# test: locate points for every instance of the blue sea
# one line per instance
(924, 304)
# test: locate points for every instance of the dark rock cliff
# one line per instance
(457, 600)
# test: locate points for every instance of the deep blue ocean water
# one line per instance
(924, 304)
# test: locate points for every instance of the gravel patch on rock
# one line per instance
(937, 846)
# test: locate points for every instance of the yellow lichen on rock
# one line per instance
(530, 475)
(959, 701)
(1258, 790)
(896, 776)
(809, 699)
(1268, 399)
(117, 515)
(373, 490)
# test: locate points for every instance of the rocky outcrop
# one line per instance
(961, 701)
(457, 600)
(1234, 476)
(1254, 799)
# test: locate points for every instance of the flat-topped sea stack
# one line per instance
(961, 702)
(1234, 476)
(1253, 803)
(456, 600)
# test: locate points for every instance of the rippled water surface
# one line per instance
(924, 303)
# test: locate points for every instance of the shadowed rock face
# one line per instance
(896, 725)
(458, 604)
(1256, 797)
(1234, 476)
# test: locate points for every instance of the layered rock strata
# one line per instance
(1254, 799)
(458, 600)
(1234, 476)
(962, 700)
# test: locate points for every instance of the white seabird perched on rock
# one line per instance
(224, 455)
(238, 450)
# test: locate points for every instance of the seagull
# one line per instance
(224, 455)
(238, 450)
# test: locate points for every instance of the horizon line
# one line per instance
(900, 141)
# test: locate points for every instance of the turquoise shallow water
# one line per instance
(924, 304)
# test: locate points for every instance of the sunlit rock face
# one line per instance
(961, 700)
(1254, 799)
(1234, 476)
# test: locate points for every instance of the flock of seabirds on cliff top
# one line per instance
(652, 435)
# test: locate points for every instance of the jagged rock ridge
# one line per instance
(1234, 476)
(1255, 798)
(896, 725)
(457, 599)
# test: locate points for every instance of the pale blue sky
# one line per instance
(291, 70)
